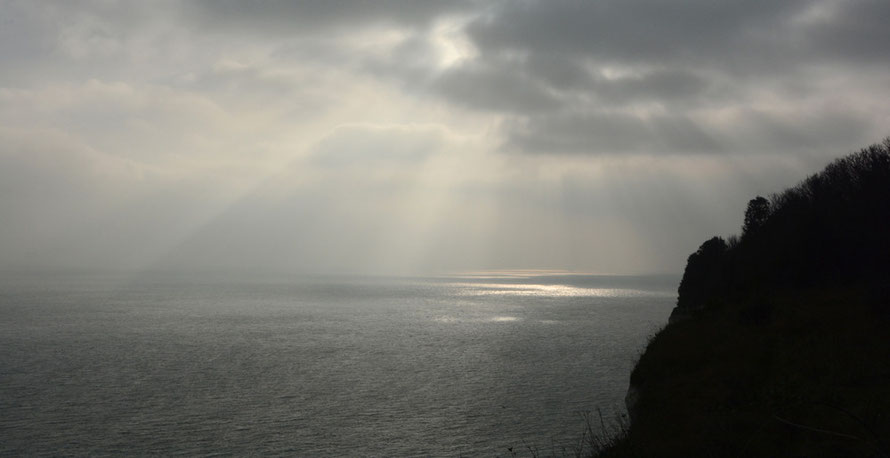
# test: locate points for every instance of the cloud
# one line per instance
(666, 86)
(409, 136)
(610, 133)
(559, 70)
(484, 87)
(637, 31)
(854, 32)
(295, 18)
(738, 131)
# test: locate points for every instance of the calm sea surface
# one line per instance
(323, 367)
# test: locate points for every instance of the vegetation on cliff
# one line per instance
(779, 343)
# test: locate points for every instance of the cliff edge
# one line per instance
(779, 342)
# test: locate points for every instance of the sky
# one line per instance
(418, 137)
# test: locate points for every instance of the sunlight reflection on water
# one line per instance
(541, 290)
(491, 319)
(498, 319)
(311, 368)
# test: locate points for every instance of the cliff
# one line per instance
(779, 343)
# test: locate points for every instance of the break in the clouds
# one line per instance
(413, 136)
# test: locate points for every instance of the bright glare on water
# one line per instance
(506, 289)
(323, 367)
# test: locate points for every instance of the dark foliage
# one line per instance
(832, 228)
(756, 215)
(805, 373)
(705, 277)
(783, 348)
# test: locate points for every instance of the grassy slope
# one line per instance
(731, 382)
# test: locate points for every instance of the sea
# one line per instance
(481, 364)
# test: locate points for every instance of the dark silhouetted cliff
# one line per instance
(779, 343)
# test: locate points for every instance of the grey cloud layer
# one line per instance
(685, 76)
(297, 17)
(675, 64)
(299, 133)
(593, 77)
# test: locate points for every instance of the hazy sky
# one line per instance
(410, 136)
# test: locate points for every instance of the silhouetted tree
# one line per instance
(830, 229)
(757, 213)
